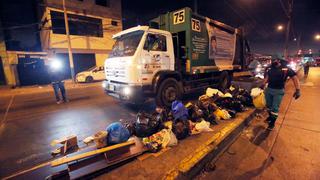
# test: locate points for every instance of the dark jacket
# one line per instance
(56, 76)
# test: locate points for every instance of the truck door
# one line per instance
(155, 54)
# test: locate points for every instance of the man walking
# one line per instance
(57, 81)
(276, 77)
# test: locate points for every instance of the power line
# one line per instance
(251, 22)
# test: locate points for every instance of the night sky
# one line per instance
(259, 17)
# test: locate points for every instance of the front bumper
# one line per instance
(81, 78)
(124, 91)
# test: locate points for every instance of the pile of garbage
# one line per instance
(165, 126)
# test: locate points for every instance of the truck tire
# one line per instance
(169, 91)
(225, 81)
(89, 79)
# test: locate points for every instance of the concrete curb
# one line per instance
(209, 151)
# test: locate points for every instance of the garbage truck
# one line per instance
(180, 52)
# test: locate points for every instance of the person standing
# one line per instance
(57, 83)
(276, 77)
(306, 68)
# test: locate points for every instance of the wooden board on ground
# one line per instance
(105, 160)
(71, 157)
(88, 165)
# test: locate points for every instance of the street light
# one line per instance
(280, 27)
(317, 37)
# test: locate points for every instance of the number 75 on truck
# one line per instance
(180, 52)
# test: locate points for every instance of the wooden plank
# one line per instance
(67, 159)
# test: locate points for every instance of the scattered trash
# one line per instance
(67, 144)
(179, 111)
(259, 100)
(211, 92)
(181, 129)
(222, 114)
(88, 140)
(165, 127)
(100, 138)
(203, 126)
(147, 124)
(256, 92)
(117, 133)
(159, 140)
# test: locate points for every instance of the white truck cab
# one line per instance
(137, 55)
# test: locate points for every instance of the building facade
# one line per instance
(28, 42)
(91, 25)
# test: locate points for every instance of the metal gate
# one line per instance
(32, 70)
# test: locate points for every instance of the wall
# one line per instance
(87, 8)
(100, 58)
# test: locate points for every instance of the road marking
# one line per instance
(7, 111)
(28, 170)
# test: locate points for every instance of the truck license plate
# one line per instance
(111, 87)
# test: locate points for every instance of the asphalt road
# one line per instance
(290, 151)
(29, 122)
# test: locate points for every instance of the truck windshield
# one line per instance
(126, 44)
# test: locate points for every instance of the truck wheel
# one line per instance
(168, 92)
(225, 81)
(89, 79)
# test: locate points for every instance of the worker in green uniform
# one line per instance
(276, 76)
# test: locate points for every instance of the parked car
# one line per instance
(317, 62)
(92, 74)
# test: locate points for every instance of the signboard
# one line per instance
(179, 17)
(195, 25)
(221, 45)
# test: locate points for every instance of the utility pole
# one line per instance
(289, 15)
(195, 6)
(69, 41)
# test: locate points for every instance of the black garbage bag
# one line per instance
(208, 107)
(232, 113)
(195, 113)
(212, 119)
(181, 128)
(230, 103)
(245, 98)
(148, 124)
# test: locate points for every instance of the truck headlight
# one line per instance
(126, 91)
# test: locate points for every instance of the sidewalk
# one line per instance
(7, 91)
(290, 151)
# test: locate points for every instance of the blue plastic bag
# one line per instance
(179, 111)
(117, 133)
